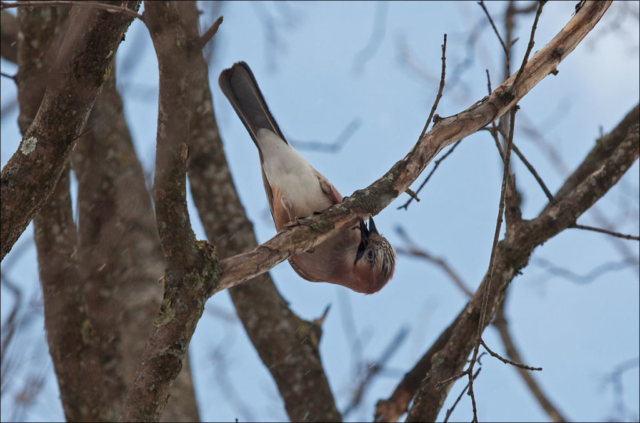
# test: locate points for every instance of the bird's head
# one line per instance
(375, 259)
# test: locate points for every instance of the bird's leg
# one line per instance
(286, 204)
(293, 220)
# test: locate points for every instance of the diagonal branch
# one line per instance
(512, 255)
(194, 274)
(371, 200)
(604, 231)
(460, 334)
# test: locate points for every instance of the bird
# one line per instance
(358, 257)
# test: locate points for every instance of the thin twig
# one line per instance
(375, 40)
(453, 378)
(494, 133)
(449, 411)
(108, 7)
(506, 360)
(375, 368)
(586, 278)
(440, 89)
(525, 10)
(485, 299)
(500, 323)
(332, 147)
(417, 252)
(431, 114)
(436, 164)
(534, 173)
(6, 75)
(208, 35)
(525, 59)
(412, 194)
(504, 46)
(10, 324)
(494, 128)
(507, 158)
(604, 231)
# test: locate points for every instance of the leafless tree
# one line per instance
(118, 343)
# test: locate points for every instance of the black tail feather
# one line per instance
(241, 89)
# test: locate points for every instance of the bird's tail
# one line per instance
(241, 89)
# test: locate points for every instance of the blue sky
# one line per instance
(576, 332)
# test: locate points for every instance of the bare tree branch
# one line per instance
(621, 412)
(517, 364)
(586, 278)
(415, 251)
(387, 413)
(494, 132)
(72, 340)
(561, 168)
(191, 266)
(378, 195)
(121, 257)
(604, 231)
(505, 48)
(332, 147)
(459, 331)
(273, 328)
(376, 38)
(500, 322)
(391, 409)
(453, 407)
(373, 369)
(207, 36)
(513, 254)
(84, 60)
(440, 88)
(244, 266)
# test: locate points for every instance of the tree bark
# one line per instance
(82, 66)
(70, 332)
(276, 332)
(191, 266)
(120, 250)
(173, 223)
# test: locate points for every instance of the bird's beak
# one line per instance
(364, 240)
(372, 226)
(364, 233)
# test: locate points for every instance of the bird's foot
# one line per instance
(296, 221)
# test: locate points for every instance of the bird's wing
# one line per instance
(267, 190)
(281, 216)
(301, 273)
(328, 189)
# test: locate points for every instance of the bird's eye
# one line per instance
(370, 255)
